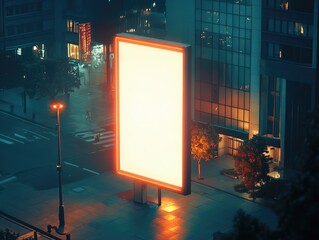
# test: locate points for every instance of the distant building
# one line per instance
(147, 18)
(49, 28)
(255, 68)
(28, 28)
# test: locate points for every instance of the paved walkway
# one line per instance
(101, 206)
(92, 97)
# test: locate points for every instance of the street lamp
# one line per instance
(60, 229)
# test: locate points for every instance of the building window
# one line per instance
(72, 26)
(284, 5)
(233, 144)
(69, 24)
(23, 8)
(223, 48)
(273, 116)
(76, 27)
(73, 51)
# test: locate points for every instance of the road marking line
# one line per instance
(84, 135)
(13, 139)
(104, 141)
(91, 171)
(108, 145)
(20, 136)
(8, 179)
(51, 133)
(71, 164)
(5, 141)
(107, 136)
(36, 134)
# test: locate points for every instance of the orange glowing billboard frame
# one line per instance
(153, 111)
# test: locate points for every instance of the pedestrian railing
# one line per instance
(34, 233)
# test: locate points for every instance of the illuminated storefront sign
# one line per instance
(152, 98)
(85, 42)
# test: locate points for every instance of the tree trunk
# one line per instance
(198, 168)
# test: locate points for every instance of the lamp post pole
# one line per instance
(59, 169)
(60, 229)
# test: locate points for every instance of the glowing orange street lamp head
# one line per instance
(57, 106)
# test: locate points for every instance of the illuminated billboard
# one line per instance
(152, 111)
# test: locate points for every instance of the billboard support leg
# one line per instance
(159, 197)
(140, 192)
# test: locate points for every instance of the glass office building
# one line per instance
(225, 78)
(256, 72)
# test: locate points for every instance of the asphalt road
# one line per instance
(29, 153)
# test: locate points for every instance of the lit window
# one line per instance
(284, 5)
(73, 51)
(299, 29)
(76, 27)
(69, 24)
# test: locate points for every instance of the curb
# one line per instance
(25, 119)
(229, 193)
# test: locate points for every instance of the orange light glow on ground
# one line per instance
(151, 90)
(170, 208)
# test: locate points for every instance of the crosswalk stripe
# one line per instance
(5, 141)
(37, 134)
(20, 136)
(105, 141)
(8, 179)
(108, 145)
(13, 139)
(107, 138)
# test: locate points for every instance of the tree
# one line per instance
(248, 227)
(204, 142)
(252, 163)
(298, 210)
(49, 78)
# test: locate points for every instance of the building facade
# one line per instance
(289, 75)
(227, 48)
(256, 70)
(49, 28)
(27, 27)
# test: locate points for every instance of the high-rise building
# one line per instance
(227, 53)
(289, 75)
(256, 69)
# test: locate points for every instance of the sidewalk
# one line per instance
(92, 96)
(101, 207)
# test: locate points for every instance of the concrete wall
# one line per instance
(180, 27)
(255, 68)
